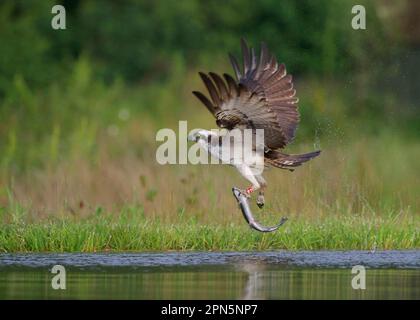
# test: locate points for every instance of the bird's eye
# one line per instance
(197, 137)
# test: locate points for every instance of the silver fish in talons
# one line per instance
(247, 213)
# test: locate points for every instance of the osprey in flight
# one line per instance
(261, 97)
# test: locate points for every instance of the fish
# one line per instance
(249, 217)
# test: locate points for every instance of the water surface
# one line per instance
(214, 275)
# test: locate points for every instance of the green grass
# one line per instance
(129, 233)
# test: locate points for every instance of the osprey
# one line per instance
(261, 97)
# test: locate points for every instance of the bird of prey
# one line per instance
(261, 97)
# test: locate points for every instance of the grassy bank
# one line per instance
(125, 233)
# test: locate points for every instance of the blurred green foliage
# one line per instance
(59, 90)
(137, 40)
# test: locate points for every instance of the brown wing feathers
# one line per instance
(235, 66)
(221, 86)
(263, 93)
(233, 89)
(209, 105)
(270, 80)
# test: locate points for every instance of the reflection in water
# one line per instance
(247, 281)
(255, 283)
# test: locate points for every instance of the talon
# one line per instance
(260, 201)
(245, 193)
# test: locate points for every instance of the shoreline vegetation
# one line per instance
(128, 233)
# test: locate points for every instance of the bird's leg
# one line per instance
(247, 192)
(250, 190)
(260, 199)
(247, 174)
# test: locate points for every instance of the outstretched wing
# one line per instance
(263, 97)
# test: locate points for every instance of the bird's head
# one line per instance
(200, 134)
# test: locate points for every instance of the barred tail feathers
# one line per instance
(289, 161)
